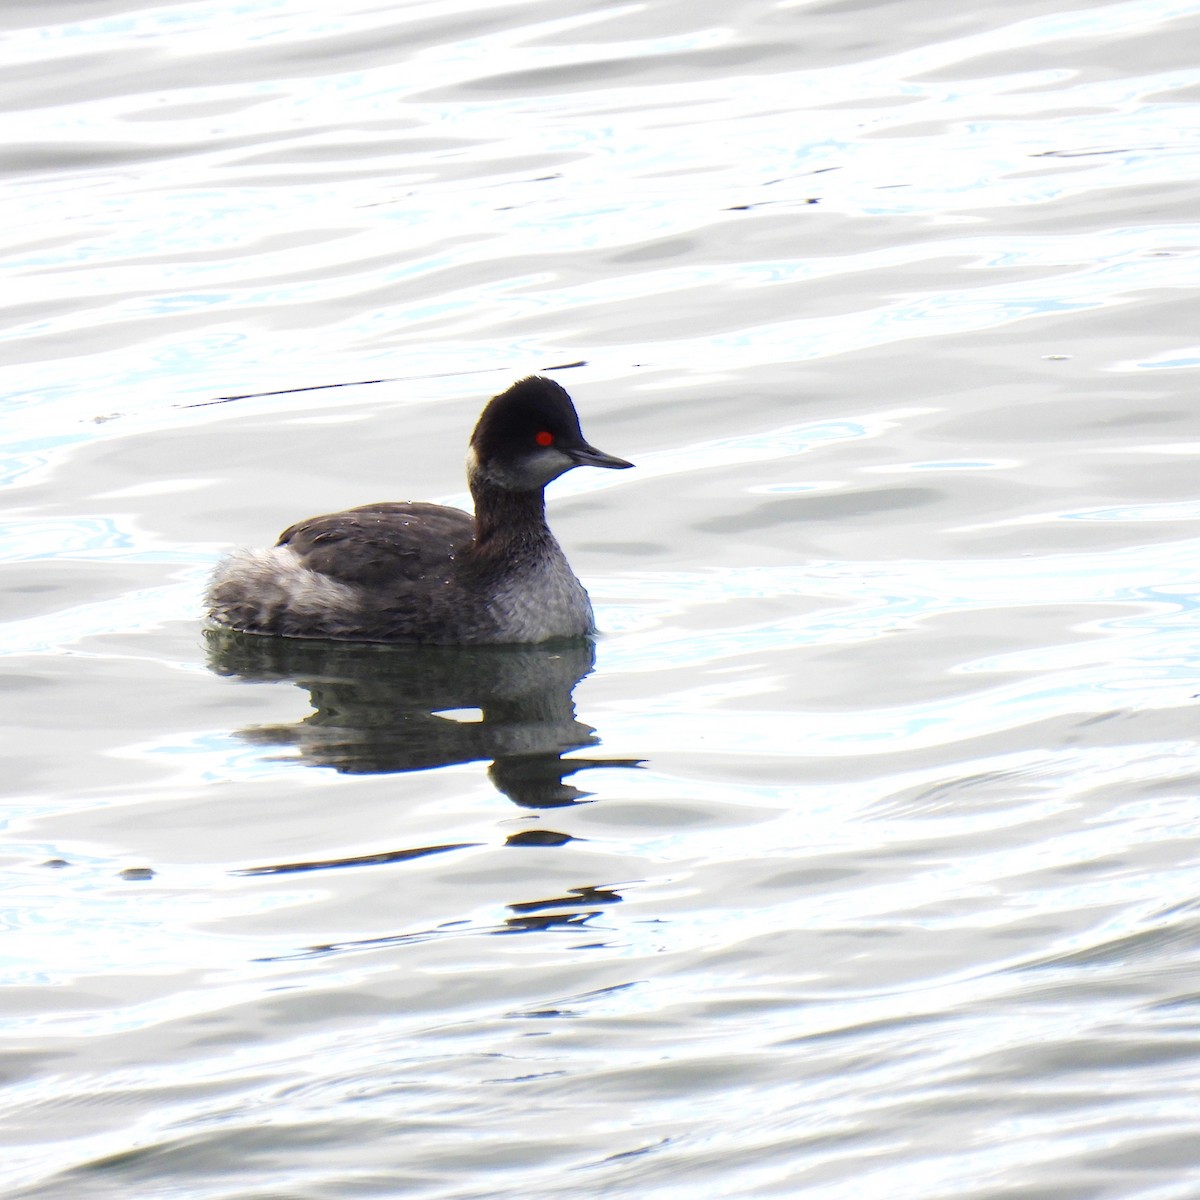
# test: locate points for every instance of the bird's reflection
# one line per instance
(383, 709)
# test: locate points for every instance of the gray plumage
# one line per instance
(418, 572)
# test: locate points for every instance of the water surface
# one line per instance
(863, 856)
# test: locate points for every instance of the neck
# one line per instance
(505, 519)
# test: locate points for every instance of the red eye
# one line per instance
(544, 438)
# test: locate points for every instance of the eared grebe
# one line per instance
(413, 572)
